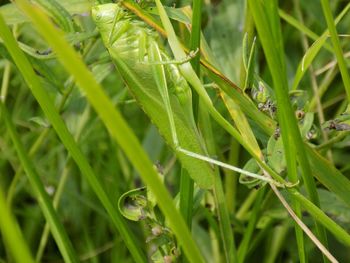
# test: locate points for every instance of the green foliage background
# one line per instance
(41, 166)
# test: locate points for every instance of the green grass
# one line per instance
(73, 139)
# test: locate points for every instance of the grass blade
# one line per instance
(269, 31)
(11, 233)
(58, 232)
(336, 45)
(321, 217)
(314, 50)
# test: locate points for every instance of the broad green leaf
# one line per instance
(275, 154)
(307, 124)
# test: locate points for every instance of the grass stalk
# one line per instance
(248, 233)
(313, 79)
(11, 233)
(226, 233)
(186, 183)
(186, 197)
(336, 45)
(270, 35)
(267, 27)
(196, 33)
(57, 229)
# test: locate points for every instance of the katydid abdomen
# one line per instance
(128, 41)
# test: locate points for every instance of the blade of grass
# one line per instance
(186, 197)
(314, 50)
(326, 254)
(186, 183)
(231, 179)
(227, 237)
(307, 59)
(301, 27)
(12, 234)
(196, 33)
(116, 126)
(248, 233)
(192, 78)
(48, 107)
(58, 13)
(268, 26)
(58, 232)
(46, 231)
(321, 217)
(322, 170)
(328, 175)
(277, 237)
(336, 45)
(312, 76)
(35, 146)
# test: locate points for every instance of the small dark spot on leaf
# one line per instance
(207, 205)
(305, 213)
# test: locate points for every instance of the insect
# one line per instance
(341, 123)
(160, 87)
(337, 125)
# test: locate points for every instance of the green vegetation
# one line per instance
(209, 132)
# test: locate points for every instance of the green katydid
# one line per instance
(160, 86)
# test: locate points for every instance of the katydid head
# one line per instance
(104, 14)
(114, 21)
(106, 18)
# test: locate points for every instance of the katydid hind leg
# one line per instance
(160, 79)
(186, 59)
